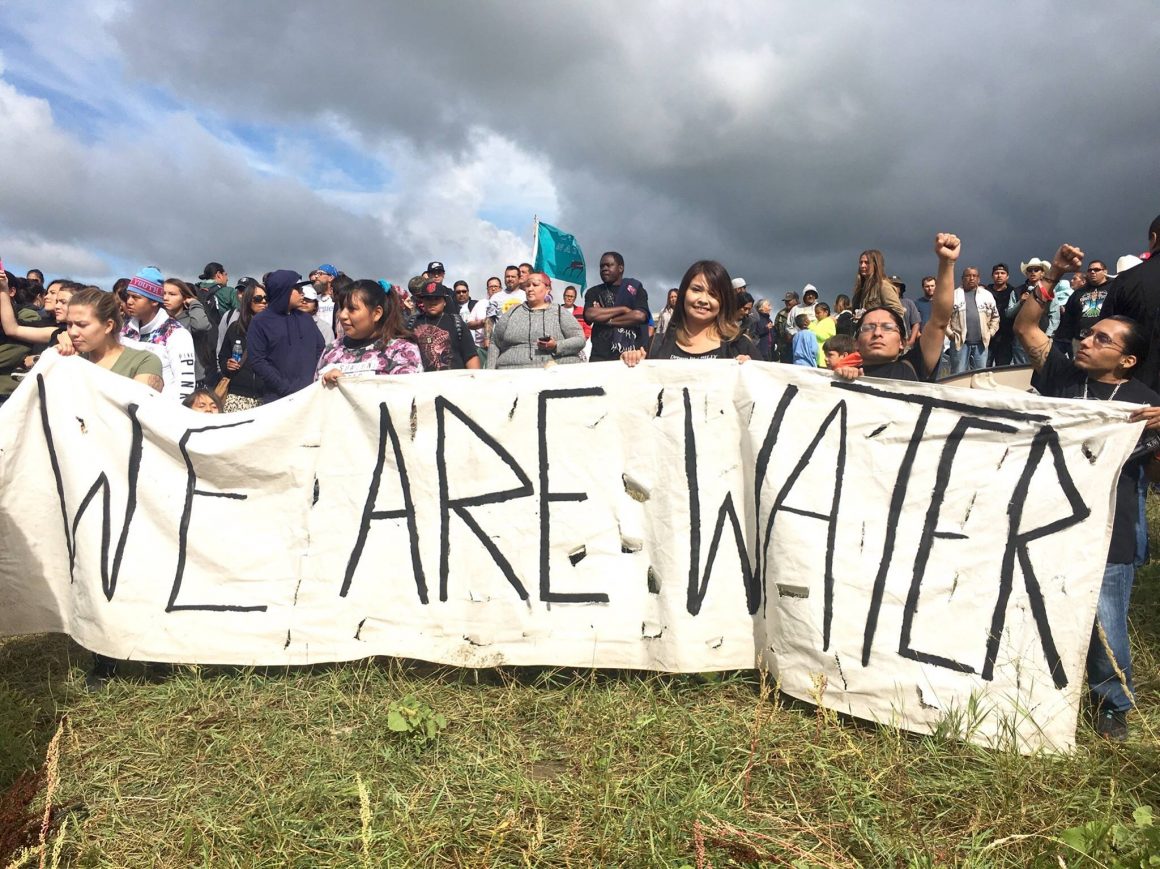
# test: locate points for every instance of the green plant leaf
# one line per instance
(396, 721)
(1077, 838)
(1143, 816)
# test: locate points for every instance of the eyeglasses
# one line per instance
(259, 300)
(1101, 338)
(1093, 269)
(868, 328)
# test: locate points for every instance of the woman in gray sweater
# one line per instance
(535, 333)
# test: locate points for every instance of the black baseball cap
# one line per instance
(435, 266)
(432, 290)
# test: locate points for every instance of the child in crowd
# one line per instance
(203, 401)
(839, 352)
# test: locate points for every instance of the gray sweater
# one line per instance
(513, 340)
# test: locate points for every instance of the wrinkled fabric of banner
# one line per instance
(899, 552)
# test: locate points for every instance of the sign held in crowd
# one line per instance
(899, 555)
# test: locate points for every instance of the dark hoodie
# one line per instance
(283, 345)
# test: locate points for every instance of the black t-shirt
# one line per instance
(1081, 311)
(1135, 293)
(444, 342)
(1002, 300)
(844, 323)
(1059, 378)
(909, 366)
(608, 342)
(664, 346)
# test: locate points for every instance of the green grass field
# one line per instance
(219, 767)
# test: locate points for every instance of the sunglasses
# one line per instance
(261, 300)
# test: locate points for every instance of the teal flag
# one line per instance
(558, 255)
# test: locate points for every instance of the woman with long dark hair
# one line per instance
(704, 322)
(374, 339)
(182, 304)
(666, 314)
(873, 288)
(245, 386)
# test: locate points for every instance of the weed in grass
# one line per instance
(415, 720)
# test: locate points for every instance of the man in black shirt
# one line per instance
(618, 311)
(1107, 357)
(881, 336)
(1004, 339)
(1084, 305)
(1135, 293)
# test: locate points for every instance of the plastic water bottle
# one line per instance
(236, 355)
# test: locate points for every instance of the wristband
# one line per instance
(1043, 294)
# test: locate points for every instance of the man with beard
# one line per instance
(617, 309)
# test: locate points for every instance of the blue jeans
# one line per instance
(1107, 689)
(969, 357)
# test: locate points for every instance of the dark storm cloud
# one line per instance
(781, 140)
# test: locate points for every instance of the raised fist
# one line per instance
(1067, 259)
(947, 246)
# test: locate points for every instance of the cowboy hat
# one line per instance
(1034, 262)
(1127, 261)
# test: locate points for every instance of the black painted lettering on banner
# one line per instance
(839, 414)
(183, 528)
(1045, 439)
(698, 581)
(447, 504)
(930, 533)
(548, 497)
(388, 432)
(109, 573)
(760, 469)
(893, 515)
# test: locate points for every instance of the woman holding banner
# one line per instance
(534, 333)
(374, 339)
(704, 322)
(94, 326)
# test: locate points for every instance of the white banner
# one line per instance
(898, 552)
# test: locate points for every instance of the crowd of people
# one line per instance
(222, 347)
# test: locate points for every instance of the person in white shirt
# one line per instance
(150, 328)
(473, 312)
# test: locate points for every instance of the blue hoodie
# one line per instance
(283, 345)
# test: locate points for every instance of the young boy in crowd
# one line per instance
(839, 352)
